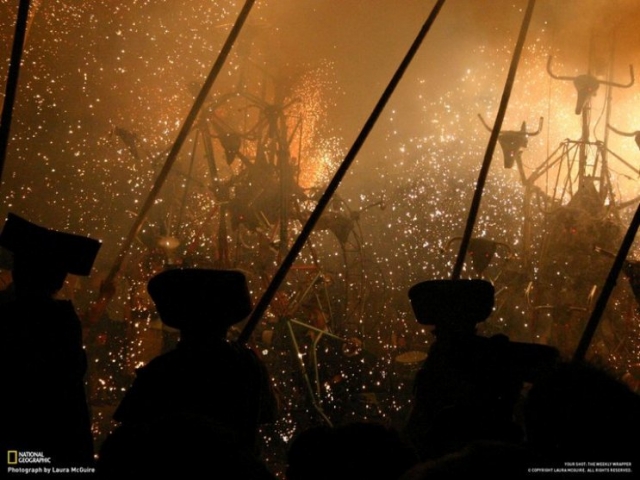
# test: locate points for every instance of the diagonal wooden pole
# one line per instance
(12, 80)
(107, 291)
(493, 139)
(607, 289)
(287, 262)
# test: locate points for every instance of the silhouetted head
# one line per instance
(452, 304)
(578, 410)
(359, 449)
(42, 258)
(200, 300)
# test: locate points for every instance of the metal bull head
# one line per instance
(587, 85)
(513, 142)
(635, 134)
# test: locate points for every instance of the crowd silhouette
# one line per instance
(480, 405)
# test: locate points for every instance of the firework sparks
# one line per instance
(104, 89)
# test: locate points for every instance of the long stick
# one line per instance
(493, 139)
(105, 295)
(12, 80)
(281, 273)
(609, 284)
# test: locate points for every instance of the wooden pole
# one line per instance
(287, 262)
(493, 139)
(12, 80)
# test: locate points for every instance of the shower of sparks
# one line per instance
(105, 87)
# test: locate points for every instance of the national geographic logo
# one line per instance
(16, 457)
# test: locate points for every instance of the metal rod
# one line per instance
(493, 139)
(12, 80)
(318, 330)
(106, 293)
(305, 374)
(281, 273)
(609, 284)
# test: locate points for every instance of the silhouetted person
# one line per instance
(468, 386)
(44, 363)
(206, 375)
(360, 449)
(580, 413)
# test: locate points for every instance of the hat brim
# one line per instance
(75, 253)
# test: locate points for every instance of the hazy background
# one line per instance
(91, 67)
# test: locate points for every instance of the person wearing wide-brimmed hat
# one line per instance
(45, 408)
(206, 375)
